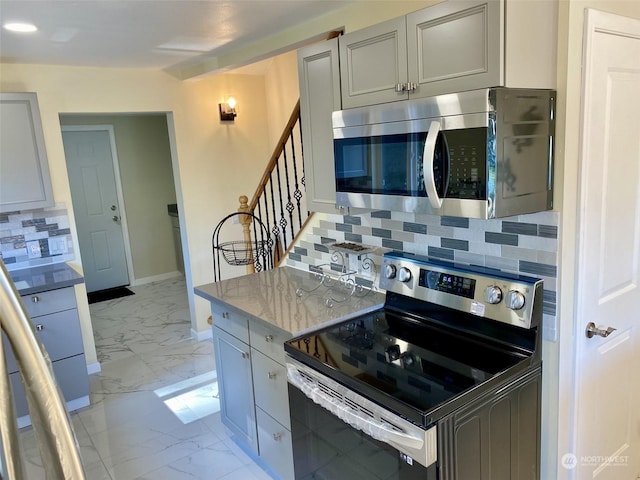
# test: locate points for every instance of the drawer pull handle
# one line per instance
(39, 327)
(269, 338)
(277, 436)
(225, 314)
(272, 375)
(35, 299)
(245, 355)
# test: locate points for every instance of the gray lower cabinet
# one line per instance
(233, 366)
(25, 182)
(252, 382)
(54, 315)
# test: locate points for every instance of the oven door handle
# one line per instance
(428, 157)
(358, 420)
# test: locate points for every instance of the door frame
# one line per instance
(116, 174)
(563, 437)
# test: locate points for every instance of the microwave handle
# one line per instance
(428, 157)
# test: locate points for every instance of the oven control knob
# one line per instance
(493, 295)
(389, 271)
(515, 300)
(404, 274)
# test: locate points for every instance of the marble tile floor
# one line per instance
(154, 414)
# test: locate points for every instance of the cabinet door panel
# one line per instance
(71, 377)
(59, 333)
(455, 46)
(270, 381)
(319, 77)
(52, 301)
(237, 406)
(269, 340)
(372, 62)
(230, 321)
(24, 170)
(275, 445)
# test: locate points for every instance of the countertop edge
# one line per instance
(66, 277)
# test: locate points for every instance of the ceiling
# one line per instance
(157, 34)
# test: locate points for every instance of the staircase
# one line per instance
(279, 200)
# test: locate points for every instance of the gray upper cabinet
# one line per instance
(319, 77)
(24, 170)
(453, 46)
(373, 64)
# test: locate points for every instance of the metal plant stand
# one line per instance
(255, 250)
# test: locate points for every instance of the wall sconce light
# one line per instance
(228, 110)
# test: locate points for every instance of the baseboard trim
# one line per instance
(155, 278)
(200, 336)
(94, 368)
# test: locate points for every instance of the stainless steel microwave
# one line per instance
(478, 154)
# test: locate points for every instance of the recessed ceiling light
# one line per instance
(20, 27)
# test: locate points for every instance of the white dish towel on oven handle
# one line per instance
(371, 426)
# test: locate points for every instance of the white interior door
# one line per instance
(98, 213)
(607, 395)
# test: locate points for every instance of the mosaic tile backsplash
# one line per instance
(35, 237)
(526, 244)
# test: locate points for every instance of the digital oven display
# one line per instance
(445, 282)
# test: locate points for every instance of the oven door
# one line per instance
(338, 435)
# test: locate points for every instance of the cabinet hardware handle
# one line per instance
(269, 338)
(277, 436)
(115, 218)
(272, 375)
(39, 327)
(400, 87)
(35, 299)
(225, 314)
(245, 355)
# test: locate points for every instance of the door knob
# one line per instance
(113, 208)
(115, 218)
(593, 330)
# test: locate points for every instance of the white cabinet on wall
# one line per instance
(319, 77)
(25, 182)
(453, 46)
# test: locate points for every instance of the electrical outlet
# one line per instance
(57, 245)
(33, 249)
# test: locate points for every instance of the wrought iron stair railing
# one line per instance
(279, 200)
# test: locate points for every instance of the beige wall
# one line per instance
(146, 173)
(211, 159)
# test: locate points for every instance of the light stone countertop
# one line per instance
(271, 297)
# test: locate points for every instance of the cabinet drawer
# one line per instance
(270, 386)
(268, 340)
(38, 304)
(275, 445)
(230, 321)
(59, 333)
(71, 376)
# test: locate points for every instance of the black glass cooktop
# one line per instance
(414, 362)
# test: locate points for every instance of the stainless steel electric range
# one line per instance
(441, 383)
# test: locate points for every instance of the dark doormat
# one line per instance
(108, 294)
